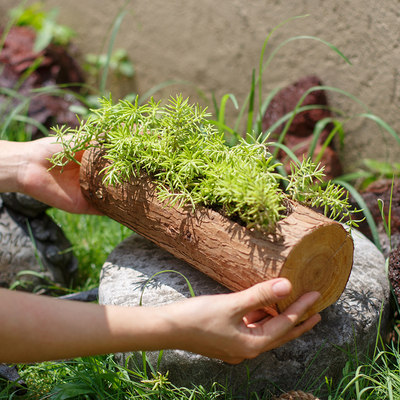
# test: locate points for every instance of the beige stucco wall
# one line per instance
(216, 44)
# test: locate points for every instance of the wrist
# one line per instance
(12, 164)
(174, 327)
(139, 328)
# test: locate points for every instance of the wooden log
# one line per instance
(312, 251)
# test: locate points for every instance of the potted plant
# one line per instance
(166, 172)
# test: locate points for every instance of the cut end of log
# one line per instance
(321, 261)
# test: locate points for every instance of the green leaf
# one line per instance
(251, 102)
(221, 111)
(382, 124)
(383, 168)
(365, 210)
(115, 28)
(67, 391)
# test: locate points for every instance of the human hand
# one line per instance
(234, 327)
(53, 187)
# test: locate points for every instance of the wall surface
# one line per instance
(214, 45)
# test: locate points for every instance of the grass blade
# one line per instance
(114, 31)
(382, 124)
(31, 121)
(221, 112)
(191, 291)
(20, 108)
(251, 102)
(215, 103)
(303, 37)
(264, 46)
(367, 213)
(337, 129)
(305, 94)
(290, 115)
(319, 127)
(286, 150)
(387, 224)
(226, 128)
(264, 106)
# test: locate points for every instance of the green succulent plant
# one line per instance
(187, 156)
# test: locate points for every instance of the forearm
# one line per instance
(37, 328)
(11, 162)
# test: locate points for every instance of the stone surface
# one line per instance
(394, 271)
(33, 243)
(351, 321)
(23, 204)
(10, 373)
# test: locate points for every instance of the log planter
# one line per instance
(312, 251)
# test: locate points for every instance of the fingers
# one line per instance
(264, 294)
(269, 345)
(296, 332)
(285, 327)
(294, 313)
(234, 327)
(255, 316)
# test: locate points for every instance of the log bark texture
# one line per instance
(312, 251)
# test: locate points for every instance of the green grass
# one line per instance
(93, 238)
(377, 379)
(102, 378)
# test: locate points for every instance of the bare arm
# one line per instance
(36, 328)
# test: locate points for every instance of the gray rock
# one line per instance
(23, 204)
(10, 373)
(351, 324)
(34, 244)
(86, 296)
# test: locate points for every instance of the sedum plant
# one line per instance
(187, 156)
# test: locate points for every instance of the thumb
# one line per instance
(265, 294)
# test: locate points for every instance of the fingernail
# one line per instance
(281, 288)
